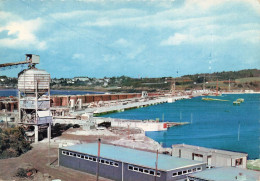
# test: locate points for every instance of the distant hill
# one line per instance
(222, 76)
(242, 79)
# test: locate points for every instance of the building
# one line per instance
(81, 79)
(225, 173)
(119, 163)
(213, 157)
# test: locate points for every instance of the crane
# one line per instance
(30, 59)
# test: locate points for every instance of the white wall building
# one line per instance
(213, 157)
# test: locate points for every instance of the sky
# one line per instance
(145, 38)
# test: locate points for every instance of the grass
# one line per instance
(248, 79)
(253, 164)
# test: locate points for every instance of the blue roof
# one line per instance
(132, 156)
(227, 173)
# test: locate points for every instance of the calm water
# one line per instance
(14, 92)
(215, 124)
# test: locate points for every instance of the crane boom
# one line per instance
(30, 59)
(15, 63)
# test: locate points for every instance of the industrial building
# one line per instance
(119, 163)
(225, 173)
(213, 157)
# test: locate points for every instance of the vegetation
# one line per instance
(253, 164)
(12, 142)
(243, 79)
(8, 82)
(222, 76)
(21, 172)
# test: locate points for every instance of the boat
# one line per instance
(212, 99)
(236, 103)
(240, 100)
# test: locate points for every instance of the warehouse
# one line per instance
(213, 157)
(119, 163)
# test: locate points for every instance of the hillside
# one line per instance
(243, 79)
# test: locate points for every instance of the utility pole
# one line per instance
(204, 83)
(229, 85)
(156, 165)
(99, 140)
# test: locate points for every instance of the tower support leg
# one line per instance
(36, 133)
(49, 132)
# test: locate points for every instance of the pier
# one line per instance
(145, 125)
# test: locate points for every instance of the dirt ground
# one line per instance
(46, 165)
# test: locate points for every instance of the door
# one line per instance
(209, 160)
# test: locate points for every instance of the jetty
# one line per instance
(127, 104)
(145, 125)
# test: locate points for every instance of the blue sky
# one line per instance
(133, 38)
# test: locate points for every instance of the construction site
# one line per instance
(53, 124)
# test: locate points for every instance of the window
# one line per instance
(90, 158)
(174, 174)
(78, 155)
(189, 170)
(199, 169)
(67, 153)
(151, 172)
(194, 169)
(146, 171)
(86, 157)
(71, 154)
(239, 161)
(63, 152)
(130, 167)
(74, 154)
(135, 169)
(158, 174)
(116, 164)
(141, 170)
(107, 162)
(180, 173)
(111, 163)
(82, 156)
(102, 161)
(184, 172)
(94, 159)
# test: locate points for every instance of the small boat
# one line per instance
(212, 99)
(240, 100)
(236, 103)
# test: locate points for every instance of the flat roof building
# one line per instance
(119, 163)
(224, 174)
(213, 157)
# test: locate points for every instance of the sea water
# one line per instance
(213, 124)
(14, 92)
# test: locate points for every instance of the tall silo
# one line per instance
(34, 97)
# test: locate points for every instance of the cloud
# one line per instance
(108, 58)
(103, 22)
(122, 42)
(24, 33)
(207, 5)
(97, 14)
(78, 56)
(176, 39)
(249, 36)
(6, 16)
(136, 51)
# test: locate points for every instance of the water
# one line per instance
(14, 92)
(215, 124)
